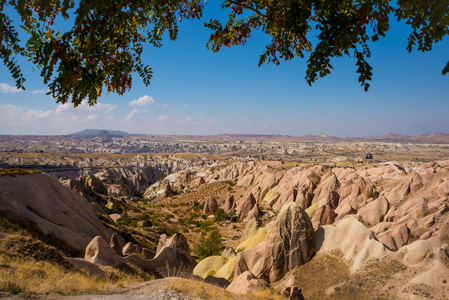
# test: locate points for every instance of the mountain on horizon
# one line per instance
(100, 131)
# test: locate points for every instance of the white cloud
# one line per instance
(165, 105)
(6, 88)
(90, 118)
(184, 105)
(128, 117)
(62, 120)
(163, 118)
(144, 100)
(37, 114)
(84, 108)
(133, 112)
(35, 92)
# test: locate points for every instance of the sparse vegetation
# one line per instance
(210, 246)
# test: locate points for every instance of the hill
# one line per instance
(100, 131)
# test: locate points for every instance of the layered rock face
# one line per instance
(290, 244)
(55, 211)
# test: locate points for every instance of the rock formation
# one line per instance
(54, 210)
(245, 283)
(210, 205)
(290, 243)
(245, 206)
(229, 205)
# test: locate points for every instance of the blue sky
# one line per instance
(196, 91)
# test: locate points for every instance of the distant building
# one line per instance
(369, 156)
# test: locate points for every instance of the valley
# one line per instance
(229, 216)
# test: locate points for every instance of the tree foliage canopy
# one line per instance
(104, 44)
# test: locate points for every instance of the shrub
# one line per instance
(147, 223)
(210, 246)
(220, 215)
(144, 217)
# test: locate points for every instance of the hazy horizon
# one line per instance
(226, 133)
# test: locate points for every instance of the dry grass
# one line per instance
(323, 271)
(29, 266)
(17, 171)
(201, 289)
(329, 271)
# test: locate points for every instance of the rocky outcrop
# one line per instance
(246, 283)
(130, 249)
(253, 214)
(116, 244)
(178, 246)
(86, 185)
(323, 215)
(210, 205)
(218, 281)
(290, 244)
(395, 237)
(292, 293)
(351, 237)
(131, 181)
(168, 191)
(54, 210)
(245, 206)
(229, 205)
(173, 255)
(100, 253)
(375, 211)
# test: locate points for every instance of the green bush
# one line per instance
(220, 215)
(144, 217)
(210, 246)
(147, 223)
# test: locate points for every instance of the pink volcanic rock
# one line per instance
(99, 252)
(254, 213)
(443, 188)
(323, 215)
(245, 206)
(116, 244)
(167, 190)
(395, 237)
(210, 205)
(54, 209)
(305, 196)
(374, 211)
(290, 244)
(298, 178)
(328, 186)
(178, 244)
(229, 205)
(344, 210)
(245, 283)
(130, 249)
